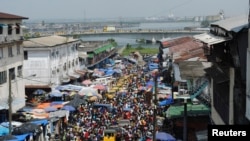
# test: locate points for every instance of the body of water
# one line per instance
(131, 39)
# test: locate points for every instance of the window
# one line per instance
(12, 73)
(1, 29)
(25, 55)
(17, 28)
(18, 49)
(73, 63)
(76, 62)
(10, 53)
(20, 71)
(3, 78)
(64, 66)
(69, 64)
(9, 29)
(53, 54)
(1, 52)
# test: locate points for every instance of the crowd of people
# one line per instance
(132, 104)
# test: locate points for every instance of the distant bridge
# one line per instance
(137, 34)
(135, 31)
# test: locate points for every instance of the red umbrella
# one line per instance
(100, 87)
(87, 82)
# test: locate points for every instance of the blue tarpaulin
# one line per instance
(21, 137)
(42, 122)
(153, 66)
(3, 130)
(166, 102)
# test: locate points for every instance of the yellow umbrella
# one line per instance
(72, 93)
(119, 84)
(112, 91)
(115, 88)
(93, 98)
(110, 96)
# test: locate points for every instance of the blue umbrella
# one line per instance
(39, 92)
(166, 102)
(164, 136)
(56, 93)
(68, 108)
(150, 83)
(50, 109)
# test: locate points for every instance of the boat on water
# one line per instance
(152, 41)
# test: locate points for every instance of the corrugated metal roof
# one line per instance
(10, 16)
(185, 48)
(48, 41)
(176, 41)
(210, 39)
(233, 24)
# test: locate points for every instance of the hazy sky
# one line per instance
(89, 9)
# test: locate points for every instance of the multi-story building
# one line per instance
(11, 62)
(97, 52)
(226, 47)
(53, 60)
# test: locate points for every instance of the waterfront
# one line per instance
(123, 40)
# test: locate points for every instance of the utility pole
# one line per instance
(185, 121)
(10, 105)
(155, 103)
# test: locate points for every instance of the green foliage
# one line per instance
(129, 49)
(113, 42)
(128, 46)
(139, 48)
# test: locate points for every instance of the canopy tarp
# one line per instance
(26, 128)
(4, 130)
(42, 122)
(21, 137)
(103, 48)
(76, 101)
(8, 138)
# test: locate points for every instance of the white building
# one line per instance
(53, 60)
(11, 62)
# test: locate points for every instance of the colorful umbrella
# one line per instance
(164, 136)
(93, 98)
(50, 109)
(87, 82)
(100, 87)
(68, 108)
(39, 92)
(56, 93)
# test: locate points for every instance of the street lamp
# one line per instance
(11, 75)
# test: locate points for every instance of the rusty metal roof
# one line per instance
(185, 48)
(176, 41)
(11, 16)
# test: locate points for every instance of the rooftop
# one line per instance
(10, 16)
(48, 41)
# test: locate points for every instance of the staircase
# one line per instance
(197, 93)
(204, 99)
